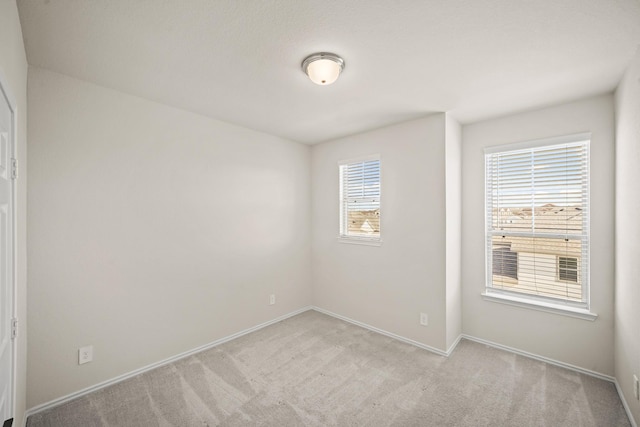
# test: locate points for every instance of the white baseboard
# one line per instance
(490, 344)
(388, 334)
(626, 406)
(84, 391)
(454, 345)
(475, 339)
(64, 399)
(540, 358)
(562, 365)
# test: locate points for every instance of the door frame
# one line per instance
(13, 211)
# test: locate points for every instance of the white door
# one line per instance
(6, 256)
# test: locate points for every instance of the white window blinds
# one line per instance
(360, 199)
(537, 220)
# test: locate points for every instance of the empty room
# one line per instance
(319, 213)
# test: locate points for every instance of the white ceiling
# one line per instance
(239, 60)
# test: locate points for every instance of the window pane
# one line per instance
(568, 269)
(360, 203)
(531, 265)
(537, 220)
(364, 222)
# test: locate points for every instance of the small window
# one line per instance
(537, 220)
(360, 199)
(505, 261)
(568, 269)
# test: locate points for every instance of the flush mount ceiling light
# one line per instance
(323, 68)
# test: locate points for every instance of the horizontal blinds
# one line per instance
(537, 202)
(361, 198)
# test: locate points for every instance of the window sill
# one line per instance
(579, 313)
(360, 241)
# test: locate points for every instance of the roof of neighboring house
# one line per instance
(549, 218)
(366, 222)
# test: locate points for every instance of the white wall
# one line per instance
(453, 161)
(627, 324)
(575, 341)
(13, 67)
(386, 286)
(152, 231)
(143, 267)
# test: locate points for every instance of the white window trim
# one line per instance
(548, 307)
(354, 240)
(533, 302)
(359, 240)
(565, 139)
(359, 159)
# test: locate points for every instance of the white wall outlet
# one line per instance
(424, 319)
(636, 387)
(85, 354)
(272, 299)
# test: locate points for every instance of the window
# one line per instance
(568, 269)
(360, 199)
(537, 221)
(505, 261)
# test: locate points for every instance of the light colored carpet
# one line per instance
(314, 370)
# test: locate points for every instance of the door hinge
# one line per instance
(14, 328)
(14, 168)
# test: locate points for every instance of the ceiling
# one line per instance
(239, 60)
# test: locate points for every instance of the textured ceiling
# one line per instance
(239, 60)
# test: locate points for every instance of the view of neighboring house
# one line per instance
(555, 260)
(365, 223)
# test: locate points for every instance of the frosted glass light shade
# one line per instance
(323, 68)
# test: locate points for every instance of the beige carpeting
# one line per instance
(314, 370)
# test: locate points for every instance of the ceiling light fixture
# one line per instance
(323, 68)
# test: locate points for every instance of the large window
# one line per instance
(360, 199)
(537, 220)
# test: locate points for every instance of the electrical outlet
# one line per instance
(272, 299)
(85, 354)
(636, 387)
(424, 319)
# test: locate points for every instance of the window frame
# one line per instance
(568, 307)
(343, 236)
